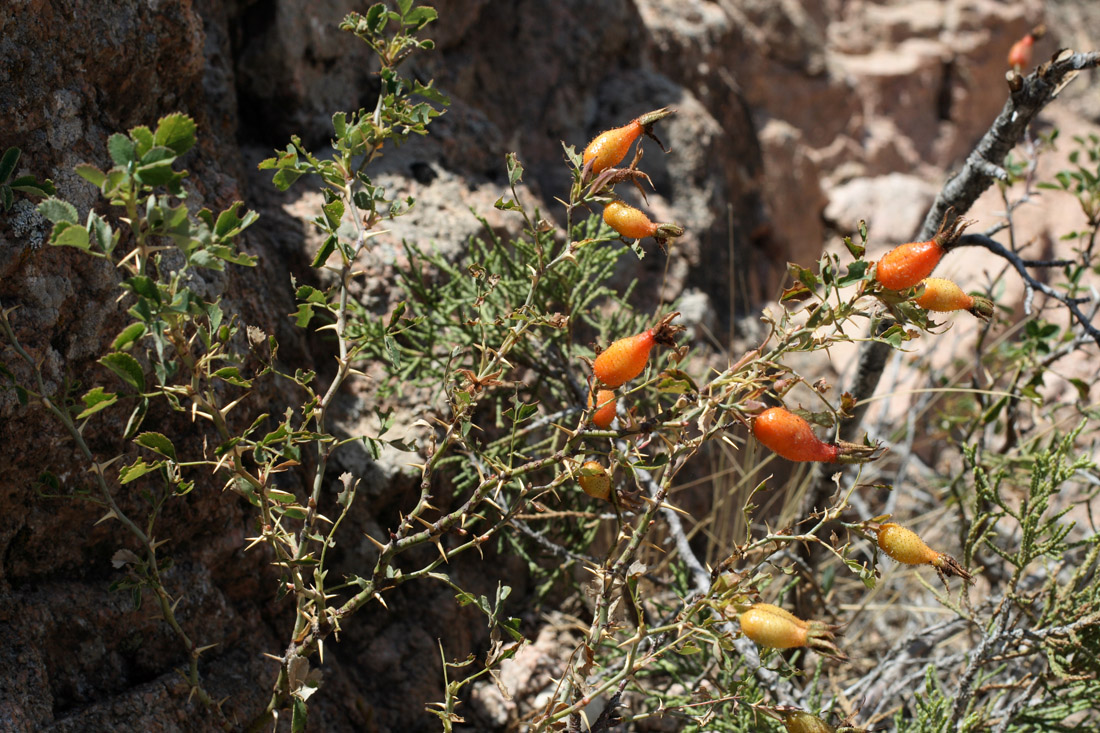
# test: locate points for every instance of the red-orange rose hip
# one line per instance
(609, 148)
(907, 264)
(791, 437)
(626, 358)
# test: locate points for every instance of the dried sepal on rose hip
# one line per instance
(602, 402)
(626, 358)
(907, 264)
(595, 480)
(905, 546)
(632, 223)
(791, 437)
(945, 296)
(609, 148)
(769, 626)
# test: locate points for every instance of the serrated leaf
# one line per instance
(230, 224)
(69, 235)
(284, 178)
(143, 140)
(303, 315)
(158, 443)
(58, 211)
(175, 131)
(334, 213)
(127, 369)
(95, 400)
(310, 294)
(121, 149)
(323, 253)
(136, 470)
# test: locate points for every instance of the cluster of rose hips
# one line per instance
(785, 433)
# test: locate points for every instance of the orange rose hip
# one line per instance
(790, 436)
(626, 358)
(905, 546)
(609, 148)
(604, 402)
(907, 264)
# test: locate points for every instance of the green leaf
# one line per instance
(176, 131)
(376, 18)
(391, 350)
(856, 250)
(298, 716)
(144, 286)
(334, 213)
(129, 335)
(429, 92)
(8, 163)
(303, 315)
(156, 154)
(69, 235)
(136, 470)
(95, 400)
(230, 225)
(99, 232)
(6, 197)
(121, 149)
(323, 253)
(310, 294)
(281, 497)
(127, 369)
(233, 376)
(57, 211)
(677, 381)
(284, 178)
(28, 185)
(137, 417)
(156, 174)
(420, 17)
(857, 272)
(515, 170)
(340, 124)
(158, 443)
(143, 140)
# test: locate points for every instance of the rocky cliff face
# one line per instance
(793, 117)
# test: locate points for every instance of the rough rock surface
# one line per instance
(783, 106)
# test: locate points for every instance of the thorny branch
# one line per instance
(1028, 96)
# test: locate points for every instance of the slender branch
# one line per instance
(1032, 284)
(1028, 96)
